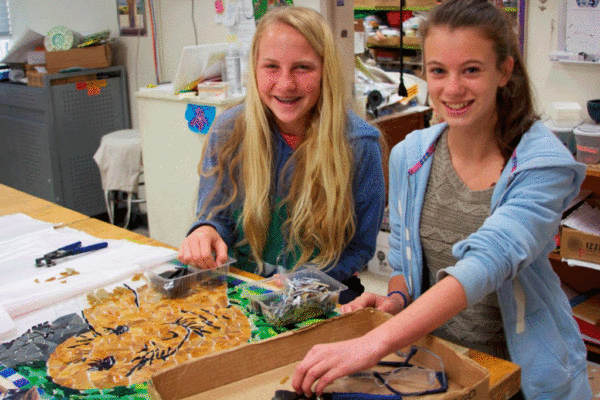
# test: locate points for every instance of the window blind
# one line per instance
(5, 28)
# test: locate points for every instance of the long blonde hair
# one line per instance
(320, 202)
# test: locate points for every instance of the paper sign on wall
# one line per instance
(200, 118)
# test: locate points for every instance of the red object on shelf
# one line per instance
(591, 333)
(393, 17)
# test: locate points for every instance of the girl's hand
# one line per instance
(325, 363)
(390, 305)
(203, 248)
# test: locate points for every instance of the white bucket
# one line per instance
(587, 138)
(565, 135)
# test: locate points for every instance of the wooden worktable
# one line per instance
(14, 201)
(504, 375)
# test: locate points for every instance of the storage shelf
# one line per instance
(408, 42)
(577, 62)
(581, 279)
(592, 348)
(397, 62)
(593, 170)
(555, 256)
(412, 8)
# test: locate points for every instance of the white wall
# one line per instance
(177, 28)
(82, 16)
(86, 17)
(555, 81)
(174, 23)
(552, 81)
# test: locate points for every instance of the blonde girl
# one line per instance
(291, 176)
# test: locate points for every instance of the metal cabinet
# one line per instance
(49, 135)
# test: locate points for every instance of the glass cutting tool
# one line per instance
(49, 259)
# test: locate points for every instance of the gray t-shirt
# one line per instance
(451, 212)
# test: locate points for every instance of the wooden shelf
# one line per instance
(593, 171)
(592, 348)
(554, 256)
(408, 42)
(397, 62)
(415, 5)
(592, 179)
(581, 279)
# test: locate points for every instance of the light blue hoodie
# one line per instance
(508, 254)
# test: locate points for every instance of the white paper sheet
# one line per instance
(25, 287)
(14, 225)
(73, 305)
(8, 328)
(579, 263)
(585, 219)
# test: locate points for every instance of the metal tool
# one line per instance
(289, 395)
(49, 259)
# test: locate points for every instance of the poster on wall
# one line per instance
(132, 17)
(262, 6)
(583, 27)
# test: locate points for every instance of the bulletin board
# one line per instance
(262, 6)
(582, 26)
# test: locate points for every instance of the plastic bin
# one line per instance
(566, 115)
(174, 279)
(286, 298)
(587, 137)
(566, 135)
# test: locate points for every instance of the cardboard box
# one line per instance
(578, 245)
(408, 4)
(394, 41)
(34, 76)
(257, 370)
(420, 4)
(85, 57)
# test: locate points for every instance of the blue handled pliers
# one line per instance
(49, 259)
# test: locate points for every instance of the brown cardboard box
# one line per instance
(34, 78)
(394, 41)
(85, 57)
(408, 4)
(420, 4)
(255, 371)
(578, 245)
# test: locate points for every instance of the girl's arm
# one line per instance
(325, 363)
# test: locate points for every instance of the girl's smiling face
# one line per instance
(288, 74)
(462, 77)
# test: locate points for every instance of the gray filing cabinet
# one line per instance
(49, 135)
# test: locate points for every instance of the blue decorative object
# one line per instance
(200, 118)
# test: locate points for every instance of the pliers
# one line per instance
(49, 259)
